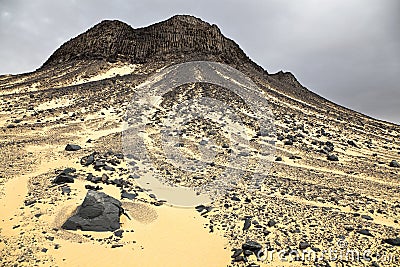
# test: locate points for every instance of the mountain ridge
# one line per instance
(181, 37)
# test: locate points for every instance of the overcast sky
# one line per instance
(345, 50)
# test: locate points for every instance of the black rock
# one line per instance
(235, 198)
(91, 187)
(29, 202)
(200, 208)
(239, 259)
(98, 212)
(247, 252)
(236, 252)
(119, 233)
(251, 245)
(394, 164)
(278, 159)
(87, 160)
(271, 223)
(69, 170)
(288, 143)
(333, 157)
(71, 147)
(367, 217)
(99, 164)
(63, 178)
(352, 143)
(108, 168)
(65, 190)
(392, 241)
(127, 195)
(247, 223)
(304, 245)
(364, 232)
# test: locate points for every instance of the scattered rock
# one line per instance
(394, 164)
(127, 195)
(364, 232)
(288, 143)
(304, 245)
(392, 241)
(236, 252)
(247, 223)
(91, 187)
(271, 223)
(72, 147)
(87, 160)
(63, 178)
(333, 157)
(251, 245)
(119, 233)
(367, 217)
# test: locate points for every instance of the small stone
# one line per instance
(127, 195)
(393, 241)
(119, 233)
(364, 232)
(333, 157)
(236, 252)
(247, 223)
(72, 147)
(271, 223)
(367, 217)
(304, 245)
(251, 245)
(394, 164)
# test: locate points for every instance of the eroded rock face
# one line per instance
(113, 40)
(98, 212)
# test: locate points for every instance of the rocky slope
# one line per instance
(333, 183)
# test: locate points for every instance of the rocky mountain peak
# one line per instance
(178, 38)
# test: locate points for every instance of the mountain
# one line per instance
(330, 181)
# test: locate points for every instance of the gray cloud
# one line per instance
(347, 51)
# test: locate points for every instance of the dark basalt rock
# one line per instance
(87, 160)
(394, 164)
(63, 178)
(393, 241)
(251, 245)
(333, 158)
(72, 147)
(98, 212)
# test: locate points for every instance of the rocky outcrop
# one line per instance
(180, 36)
(98, 212)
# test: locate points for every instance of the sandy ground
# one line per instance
(308, 197)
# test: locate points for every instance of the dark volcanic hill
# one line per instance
(180, 38)
(333, 183)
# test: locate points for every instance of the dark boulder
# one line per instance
(247, 223)
(127, 195)
(87, 160)
(71, 147)
(98, 212)
(63, 178)
(333, 157)
(394, 164)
